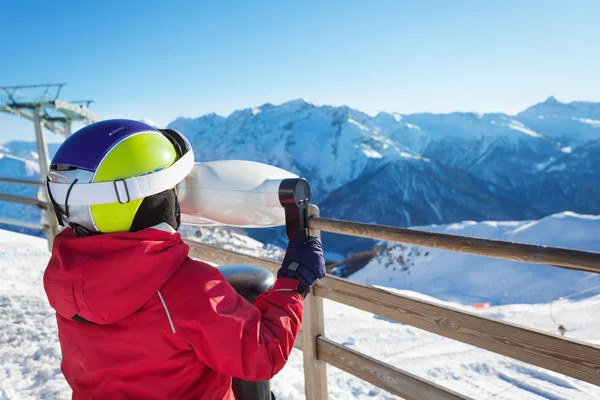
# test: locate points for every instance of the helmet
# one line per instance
(107, 174)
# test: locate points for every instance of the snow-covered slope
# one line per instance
(30, 353)
(469, 278)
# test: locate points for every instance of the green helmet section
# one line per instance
(136, 155)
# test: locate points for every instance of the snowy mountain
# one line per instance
(30, 353)
(419, 168)
(468, 278)
(569, 182)
(416, 192)
(328, 144)
(494, 147)
(569, 123)
(26, 150)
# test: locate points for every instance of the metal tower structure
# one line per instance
(41, 105)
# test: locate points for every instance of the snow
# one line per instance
(518, 126)
(404, 154)
(467, 278)
(567, 149)
(542, 165)
(30, 353)
(435, 209)
(593, 122)
(407, 216)
(557, 167)
(360, 126)
(29, 349)
(371, 153)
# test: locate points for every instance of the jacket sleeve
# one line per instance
(231, 335)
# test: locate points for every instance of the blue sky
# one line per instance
(160, 60)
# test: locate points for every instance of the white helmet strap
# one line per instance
(122, 190)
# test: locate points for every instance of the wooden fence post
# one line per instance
(313, 326)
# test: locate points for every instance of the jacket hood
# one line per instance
(105, 278)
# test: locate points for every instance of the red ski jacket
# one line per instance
(150, 323)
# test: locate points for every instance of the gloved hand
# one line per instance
(303, 261)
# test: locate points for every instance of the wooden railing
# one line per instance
(23, 200)
(21, 181)
(570, 357)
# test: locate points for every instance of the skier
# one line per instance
(137, 318)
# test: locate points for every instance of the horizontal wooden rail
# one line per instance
(221, 256)
(23, 200)
(21, 181)
(23, 224)
(380, 374)
(567, 356)
(558, 257)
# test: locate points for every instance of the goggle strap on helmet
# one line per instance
(55, 206)
(122, 190)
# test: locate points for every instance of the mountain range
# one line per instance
(418, 169)
(403, 170)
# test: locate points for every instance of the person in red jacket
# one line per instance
(137, 318)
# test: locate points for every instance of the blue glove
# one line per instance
(303, 261)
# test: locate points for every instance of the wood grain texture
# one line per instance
(558, 257)
(567, 356)
(22, 200)
(315, 371)
(21, 181)
(313, 326)
(380, 374)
